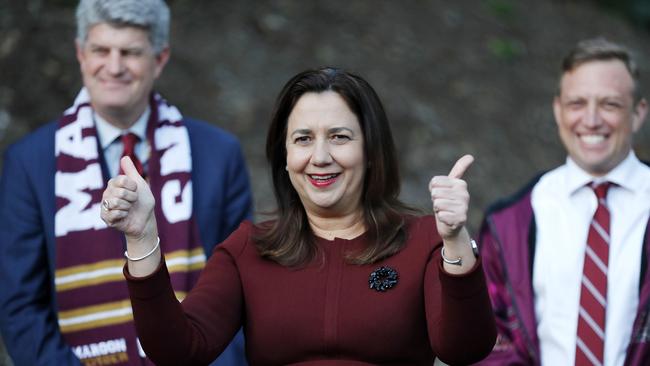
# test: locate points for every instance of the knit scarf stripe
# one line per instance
(94, 310)
(111, 270)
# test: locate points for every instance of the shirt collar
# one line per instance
(624, 175)
(107, 133)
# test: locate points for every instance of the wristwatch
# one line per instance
(472, 242)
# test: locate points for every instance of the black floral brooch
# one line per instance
(382, 279)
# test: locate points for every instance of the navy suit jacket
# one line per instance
(28, 320)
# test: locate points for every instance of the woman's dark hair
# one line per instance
(289, 239)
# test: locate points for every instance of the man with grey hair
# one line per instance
(566, 258)
(63, 300)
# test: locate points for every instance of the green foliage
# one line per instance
(504, 10)
(505, 48)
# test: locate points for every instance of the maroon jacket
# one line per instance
(322, 313)
(507, 244)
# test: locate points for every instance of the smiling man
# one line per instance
(63, 300)
(566, 258)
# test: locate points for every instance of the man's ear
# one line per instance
(79, 51)
(161, 60)
(640, 113)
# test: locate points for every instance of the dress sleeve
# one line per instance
(197, 330)
(459, 314)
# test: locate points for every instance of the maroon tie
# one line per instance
(590, 345)
(129, 140)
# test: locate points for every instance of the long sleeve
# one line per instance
(459, 315)
(199, 329)
(27, 315)
(505, 351)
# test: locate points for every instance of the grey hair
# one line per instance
(150, 15)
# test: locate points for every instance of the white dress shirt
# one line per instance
(112, 145)
(564, 206)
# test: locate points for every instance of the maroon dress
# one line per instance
(322, 313)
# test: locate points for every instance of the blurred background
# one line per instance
(456, 77)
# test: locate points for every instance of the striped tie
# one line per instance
(590, 345)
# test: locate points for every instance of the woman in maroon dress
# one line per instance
(344, 275)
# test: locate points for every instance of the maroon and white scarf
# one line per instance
(94, 310)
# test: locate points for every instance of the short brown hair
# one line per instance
(601, 49)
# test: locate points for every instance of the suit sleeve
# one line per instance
(504, 352)
(27, 312)
(239, 201)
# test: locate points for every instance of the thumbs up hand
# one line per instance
(127, 204)
(450, 199)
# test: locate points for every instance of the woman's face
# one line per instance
(325, 158)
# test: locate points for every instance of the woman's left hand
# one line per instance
(450, 199)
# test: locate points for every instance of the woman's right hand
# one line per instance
(127, 204)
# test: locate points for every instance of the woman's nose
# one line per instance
(321, 154)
